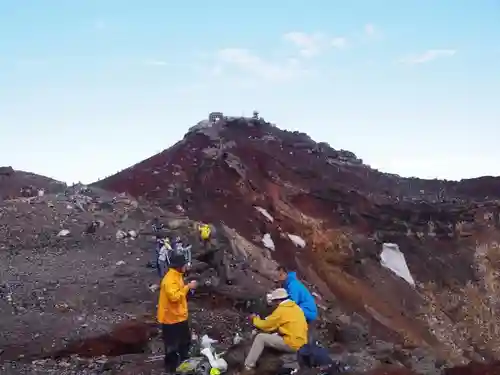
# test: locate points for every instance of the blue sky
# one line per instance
(90, 87)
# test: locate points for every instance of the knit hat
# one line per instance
(279, 293)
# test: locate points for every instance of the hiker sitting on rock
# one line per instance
(205, 233)
(289, 323)
(173, 313)
(300, 295)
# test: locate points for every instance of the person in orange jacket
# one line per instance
(173, 313)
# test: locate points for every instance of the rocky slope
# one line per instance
(279, 189)
(15, 183)
(77, 297)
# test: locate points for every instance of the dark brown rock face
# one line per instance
(405, 271)
(261, 181)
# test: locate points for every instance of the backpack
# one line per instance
(314, 356)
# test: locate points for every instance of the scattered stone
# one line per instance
(66, 298)
(63, 233)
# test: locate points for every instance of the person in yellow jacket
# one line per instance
(287, 321)
(173, 313)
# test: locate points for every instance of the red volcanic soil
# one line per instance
(344, 210)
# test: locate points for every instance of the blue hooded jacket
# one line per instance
(301, 296)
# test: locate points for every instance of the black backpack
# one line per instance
(313, 355)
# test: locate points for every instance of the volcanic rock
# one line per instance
(447, 231)
(84, 303)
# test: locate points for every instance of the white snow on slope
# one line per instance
(297, 240)
(264, 212)
(392, 258)
(268, 242)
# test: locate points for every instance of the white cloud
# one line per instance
(428, 56)
(370, 29)
(311, 45)
(448, 166)
(339, 42)
(153, 62)
(245, 61)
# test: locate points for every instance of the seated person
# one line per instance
(301, 296)
(289, 323)
(298, 293)
(205, 232)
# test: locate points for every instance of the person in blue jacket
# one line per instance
(298, 293)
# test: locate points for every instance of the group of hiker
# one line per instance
(167, 247)
(286, 329)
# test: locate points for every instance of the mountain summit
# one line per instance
(414, 260)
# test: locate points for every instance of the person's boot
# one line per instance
(248, 371)
(171, 362)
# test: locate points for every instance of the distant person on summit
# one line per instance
(298, 293)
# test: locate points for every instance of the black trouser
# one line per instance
(311, 334)
(177, 341)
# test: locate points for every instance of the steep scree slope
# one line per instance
(272, 184)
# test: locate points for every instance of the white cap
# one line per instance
(279, 293)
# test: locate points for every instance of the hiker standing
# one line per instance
(162, 261)
(173, 313)
(286, 329)
(157, 228)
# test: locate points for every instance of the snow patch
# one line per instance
(392, 258)
(297, 240)
(264, 212)
(268, 242)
